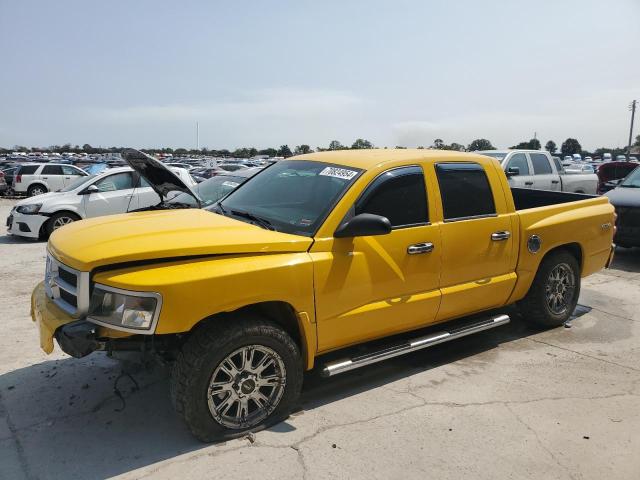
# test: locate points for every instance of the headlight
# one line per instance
(29, 209)
(123, 308)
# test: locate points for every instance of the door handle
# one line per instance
(45, 178)
(418, 248)
(499, 236)
(555, 181)
(67, 178)
(528, 183)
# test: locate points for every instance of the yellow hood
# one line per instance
(91, 243)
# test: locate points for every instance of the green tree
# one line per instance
(533, 144)
(336, 145)
(284, 151)
(458, 147)
(438, 143)
(302, 149)
(361, 143)
(637, 142)
(480, 144)
(570, 146)
(551, 147)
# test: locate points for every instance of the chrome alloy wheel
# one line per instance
(61, 222)
(37, 191)
(560, 288)
(246, 387)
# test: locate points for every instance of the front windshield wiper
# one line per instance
(263, 222)
(629, 186)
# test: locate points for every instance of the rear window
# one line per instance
(27, 169)
(541, 165)
(465, 191)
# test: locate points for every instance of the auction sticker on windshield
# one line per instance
(230, 184)
(338, 173)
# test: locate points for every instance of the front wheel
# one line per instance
(236, 377)
(59, 220)
(554, 293)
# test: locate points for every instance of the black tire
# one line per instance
(58, 220)
(204, 354)
(36, 189)
(535, 307)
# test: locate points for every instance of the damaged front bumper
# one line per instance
(77, 338)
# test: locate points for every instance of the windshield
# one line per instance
(78, 182)
(632, 180)
(499, 156)
(293, 196)
(210, 191)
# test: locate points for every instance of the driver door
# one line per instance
(114, 196)
(373, 286)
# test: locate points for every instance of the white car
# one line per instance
(38, 178)
(118, 190)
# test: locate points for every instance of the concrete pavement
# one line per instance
(506, 403)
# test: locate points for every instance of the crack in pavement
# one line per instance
(22, 458)
(614, 314)
(583, 354)
(539, 441)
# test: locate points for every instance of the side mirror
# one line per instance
(364, 225)
(513, 171)
(89, 190)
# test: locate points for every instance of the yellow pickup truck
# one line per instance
(312, 256)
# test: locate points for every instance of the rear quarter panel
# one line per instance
(586, 223)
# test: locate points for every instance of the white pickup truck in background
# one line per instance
(538, 170)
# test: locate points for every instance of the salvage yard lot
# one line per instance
(506, 403)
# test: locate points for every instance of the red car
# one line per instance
(612, 173)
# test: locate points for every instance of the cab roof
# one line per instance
(367, 159)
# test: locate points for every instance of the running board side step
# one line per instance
(344, 365)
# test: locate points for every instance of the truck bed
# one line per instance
(525, 198)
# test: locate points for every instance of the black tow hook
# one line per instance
(78, 338)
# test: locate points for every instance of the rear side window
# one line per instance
(52, 170)
(465, 191)
(519, 160)
(27, 169)
(399, 195)
(541, 165)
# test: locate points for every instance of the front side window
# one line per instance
(541, 165)
(398, 195)
(71, 170)
(117, 181)
(465, 191)
(291, 196)
(519, 160)
(52, 170)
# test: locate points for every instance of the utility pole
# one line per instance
(632, 107)
(197, 136)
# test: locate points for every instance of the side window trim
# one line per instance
(468, 217)
(367, 192)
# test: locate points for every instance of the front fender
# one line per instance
(195, 289)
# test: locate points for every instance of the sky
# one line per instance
(262, 74)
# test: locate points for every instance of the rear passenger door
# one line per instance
(53, 176)
(543, 176)
(478, 259)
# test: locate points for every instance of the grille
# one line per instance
(68, 288)
(68, 276)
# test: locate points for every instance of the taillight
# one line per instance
(18, 178)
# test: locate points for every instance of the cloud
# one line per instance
(266, 103)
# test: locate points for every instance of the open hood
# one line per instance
(159, 177)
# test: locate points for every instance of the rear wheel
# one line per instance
(36, 189)
(554, 292)
(236, 377)
(59, 220)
